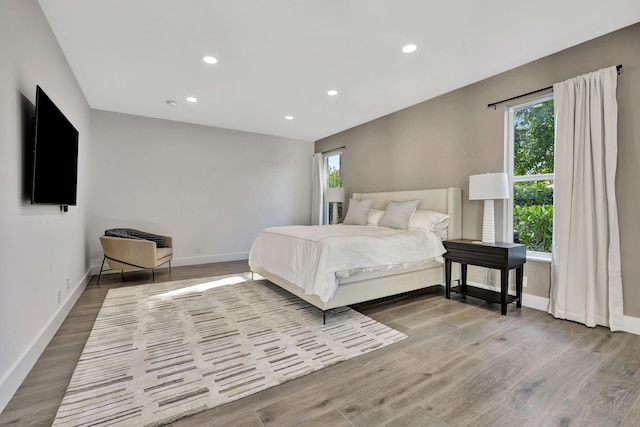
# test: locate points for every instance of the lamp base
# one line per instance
(488, 223)
(334, 213)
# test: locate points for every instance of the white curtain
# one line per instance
(317, 193)
(586, 282)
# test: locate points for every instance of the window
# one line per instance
(531, 154)
(332, 163)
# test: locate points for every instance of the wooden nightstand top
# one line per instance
(480, 244)
(492, 255)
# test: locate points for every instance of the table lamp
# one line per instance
(488, 187)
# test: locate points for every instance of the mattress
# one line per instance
(436, 262)
(318, 258)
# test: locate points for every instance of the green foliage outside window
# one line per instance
(535, 225)
(533, 214)
(534, 154)
(335, 180)
(533, 139)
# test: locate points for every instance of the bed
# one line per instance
(360, 286)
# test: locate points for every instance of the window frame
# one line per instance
(326, 217)
(509, 164)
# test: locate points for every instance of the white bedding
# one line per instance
(313, 257)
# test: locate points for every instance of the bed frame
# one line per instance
(370, 286)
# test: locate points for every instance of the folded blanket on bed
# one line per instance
(130, 233)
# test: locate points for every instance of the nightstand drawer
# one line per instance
(467, 257)
(493, 255)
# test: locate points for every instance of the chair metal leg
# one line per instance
(153, 274)
(101, 267)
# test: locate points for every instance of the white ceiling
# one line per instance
(280, 57)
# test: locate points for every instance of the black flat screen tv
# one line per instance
(55, 155)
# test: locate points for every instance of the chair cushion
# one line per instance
(164, 254)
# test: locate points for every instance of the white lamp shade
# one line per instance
(334, 195)
(488, 186)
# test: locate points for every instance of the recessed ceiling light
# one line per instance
(192, 99)
(209, 59)
(409, 48)
(171, 102)
(288, 117)
(332, 92)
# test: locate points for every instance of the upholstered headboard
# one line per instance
(446, 200)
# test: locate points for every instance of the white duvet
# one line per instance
(313, 257)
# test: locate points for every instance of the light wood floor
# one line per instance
(463, 364)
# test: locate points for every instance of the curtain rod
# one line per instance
(334, 149)
(494, 104)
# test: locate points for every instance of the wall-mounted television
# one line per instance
(55, 155)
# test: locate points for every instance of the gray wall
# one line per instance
(211, 189)
(440, 142)
(44, 258)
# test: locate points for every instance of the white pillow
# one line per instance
(358, 211)
(429, 220)
(442, 233)
(374, 216)
(398, 214)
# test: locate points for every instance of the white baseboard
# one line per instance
(630, 324)
(534, 301)
(180, 262)
(208, 259)
(10, 383)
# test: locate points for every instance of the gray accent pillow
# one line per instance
(358, 211)
(398, 214)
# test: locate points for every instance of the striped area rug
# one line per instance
(164, 351)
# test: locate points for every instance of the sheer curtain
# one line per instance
(317, 193)
(586, 282)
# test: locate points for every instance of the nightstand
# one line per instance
(498, 255)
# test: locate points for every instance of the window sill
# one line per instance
(539, 257)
